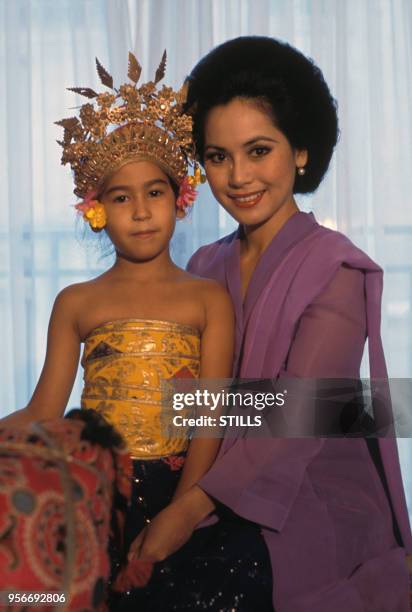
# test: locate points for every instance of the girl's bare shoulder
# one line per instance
(210, 291)
(77, 294)
(200, 283)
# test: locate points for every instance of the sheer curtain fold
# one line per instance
(18, 286)
(44, 49)
(365, 50)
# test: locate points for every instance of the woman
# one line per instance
(332, 511)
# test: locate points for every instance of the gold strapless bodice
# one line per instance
(126, 364)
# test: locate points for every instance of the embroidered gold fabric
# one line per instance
(126, 365)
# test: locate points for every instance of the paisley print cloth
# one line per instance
(56, 494)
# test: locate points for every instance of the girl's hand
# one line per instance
(135, 574)
(167, 532)
(172, 527)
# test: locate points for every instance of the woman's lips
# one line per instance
(247, 200)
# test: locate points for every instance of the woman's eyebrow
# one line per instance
(212, 146)
(259, 139)
(250, 142)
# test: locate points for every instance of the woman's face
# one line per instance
(249, 163)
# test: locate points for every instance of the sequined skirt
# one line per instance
(223, 567)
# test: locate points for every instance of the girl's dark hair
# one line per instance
(97, 430)
(285, 82)
(175, 187)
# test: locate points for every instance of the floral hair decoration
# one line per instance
(93, 211)
(132, 123)
(187, 191)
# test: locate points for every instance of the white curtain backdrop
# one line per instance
(364, 48)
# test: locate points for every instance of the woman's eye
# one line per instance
(259, 151)
(155, 193)
(216, 157)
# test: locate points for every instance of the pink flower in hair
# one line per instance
(88, 202)
(187, 194)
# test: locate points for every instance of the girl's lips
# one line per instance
(247, 201)
(145, 234)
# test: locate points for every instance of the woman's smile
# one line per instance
(246, 200)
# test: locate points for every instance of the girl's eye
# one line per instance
(155, 193)
(216, 158)
(259, 151)
(120, 199)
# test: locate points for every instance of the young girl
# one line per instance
(332, 511)
(145, 319)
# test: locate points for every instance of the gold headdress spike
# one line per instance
(128, 124)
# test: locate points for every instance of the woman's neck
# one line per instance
(257, 238)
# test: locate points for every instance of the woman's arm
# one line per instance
(259, 478)
(59, 371)
(330, 336)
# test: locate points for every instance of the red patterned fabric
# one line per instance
(175, 462)
(56, 494)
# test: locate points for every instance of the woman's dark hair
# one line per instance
(175, 187)
(285, 82)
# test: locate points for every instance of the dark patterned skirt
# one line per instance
(224, 567)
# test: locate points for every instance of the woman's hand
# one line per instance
(172, 527)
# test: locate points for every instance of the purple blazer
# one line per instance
(326, 519)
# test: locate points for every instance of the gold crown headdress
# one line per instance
(129, 124)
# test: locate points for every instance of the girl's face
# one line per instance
(249, 163)
(141, 210)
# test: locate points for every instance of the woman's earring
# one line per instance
(301, 171)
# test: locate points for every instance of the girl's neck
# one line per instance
(154, 270)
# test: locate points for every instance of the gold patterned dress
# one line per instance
(127, 364)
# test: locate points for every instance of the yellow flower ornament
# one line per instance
(96, 216)
(93, 212)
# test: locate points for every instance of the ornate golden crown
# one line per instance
(131, 123)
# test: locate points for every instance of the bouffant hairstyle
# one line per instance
(284, 82)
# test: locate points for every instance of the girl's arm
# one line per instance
(174, 525)
(215, 363)
(59, 371)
